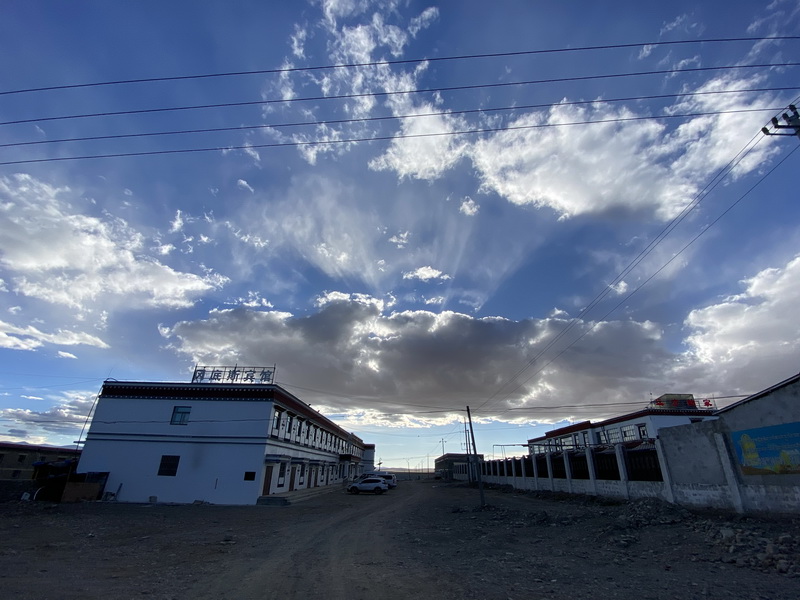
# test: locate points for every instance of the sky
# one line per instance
(490, 211)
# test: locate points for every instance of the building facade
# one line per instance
(18, 462)
(223, 443)
(669, 410)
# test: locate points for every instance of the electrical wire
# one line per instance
(394, 92)
(391, 117)
(375, 138)
(382, 63)
(716, 180)
(665, 265)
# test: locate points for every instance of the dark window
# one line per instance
(2, 456)
(21, 458)
(180, 415)
(249, 475)
(169, 465)
(642, 431)
(282, 475)
(15, 474)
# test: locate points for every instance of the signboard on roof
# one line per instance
(681, 402)
(234, 374)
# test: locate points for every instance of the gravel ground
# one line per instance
(425, 539)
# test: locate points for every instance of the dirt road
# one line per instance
(422, 540)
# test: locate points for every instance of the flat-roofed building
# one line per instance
(226, 439)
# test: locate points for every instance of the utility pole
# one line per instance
(792, 119)
(475, 456)
(466, 441)
(443, 441)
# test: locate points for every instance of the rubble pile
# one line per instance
(750, 547)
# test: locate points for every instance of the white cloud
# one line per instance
(753, 334)
(62, 354)
(429, 151)
(400, 239)
(620, 287)
(177, 222)
(646, 50)
(243, 185)
(252, 300)
(426, 274)
(98, 258)
(30, 338)
(298, 40)
(469, 207)
(435, 300)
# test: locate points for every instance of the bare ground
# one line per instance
(424, 539)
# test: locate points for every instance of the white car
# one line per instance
(375, 485)
(389, 478)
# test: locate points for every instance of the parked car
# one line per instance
(389, 478)
(375, 485)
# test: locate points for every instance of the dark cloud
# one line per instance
(352, 356)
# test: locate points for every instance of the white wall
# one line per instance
(222, 440)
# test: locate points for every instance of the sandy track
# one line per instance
(422, 540)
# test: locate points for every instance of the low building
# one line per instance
(228, 437)
(457, 466)
(668, 410)
(19, 461)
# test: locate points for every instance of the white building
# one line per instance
(668, 410)
(224, 443)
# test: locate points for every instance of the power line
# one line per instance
(395, 92)
(664, 266)
(375, 138)
(391, 62)
(716, 180)
(392, 117)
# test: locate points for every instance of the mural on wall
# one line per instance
(771, 450)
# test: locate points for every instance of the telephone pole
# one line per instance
(475, 457)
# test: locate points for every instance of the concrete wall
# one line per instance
(691, 453)
(703, 467)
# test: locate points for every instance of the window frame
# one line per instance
(180, 415)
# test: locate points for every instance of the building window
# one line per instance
(249, 475)
(642, 431)
(2, 456)
(169, 465)
(282, 475)
(15, 474)
(613, 436)
(289, 425)
(277, 424)
(628, 433)
(180, 415)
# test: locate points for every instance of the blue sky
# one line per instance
(396, 281)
